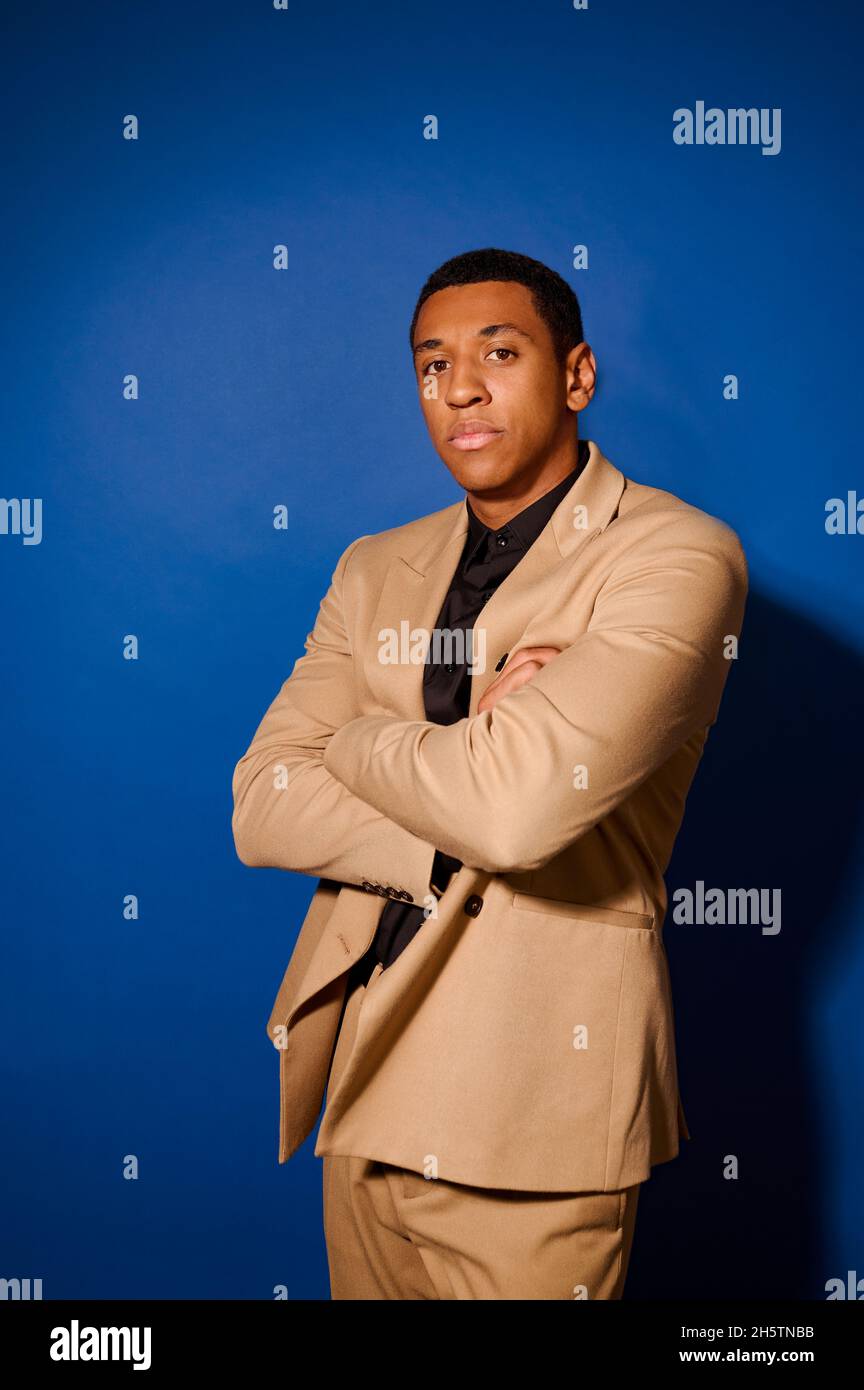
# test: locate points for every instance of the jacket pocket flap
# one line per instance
(561, 907)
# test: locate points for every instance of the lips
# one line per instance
(473, 434)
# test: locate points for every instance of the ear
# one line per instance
(581, 372)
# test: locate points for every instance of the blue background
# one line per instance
(260, 387)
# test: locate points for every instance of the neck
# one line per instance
(496, 506)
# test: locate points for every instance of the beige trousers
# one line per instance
(392, 1233)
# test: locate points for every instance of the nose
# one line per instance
(465, 386)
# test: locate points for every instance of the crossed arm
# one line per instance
(498, 791)
(290, 812)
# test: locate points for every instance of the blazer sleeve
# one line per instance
(290, 812)
(499, 790)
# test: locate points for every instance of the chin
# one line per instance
(478, 474)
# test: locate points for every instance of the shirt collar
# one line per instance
(527, 524)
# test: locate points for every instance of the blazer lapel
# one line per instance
(414, 589)
(583, 512)
(417, 582)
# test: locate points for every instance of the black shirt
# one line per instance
(487, 558)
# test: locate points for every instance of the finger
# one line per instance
(521, 675)
(532, 654)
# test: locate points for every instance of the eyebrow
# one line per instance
(490, 331)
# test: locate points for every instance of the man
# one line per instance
(495, 1042)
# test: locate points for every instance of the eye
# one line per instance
(439, 362)
(509, 352)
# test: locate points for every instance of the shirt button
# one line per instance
(501, 540)
(449, 668)
(473, 905)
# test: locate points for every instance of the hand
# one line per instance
(518, 672)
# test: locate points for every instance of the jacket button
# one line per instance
(473, 905)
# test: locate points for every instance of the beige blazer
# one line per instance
(525, 1037)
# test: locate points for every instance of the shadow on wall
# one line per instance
(775, 804)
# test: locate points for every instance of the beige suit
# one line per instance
(524, 1039)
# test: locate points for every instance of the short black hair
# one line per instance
(554, 300)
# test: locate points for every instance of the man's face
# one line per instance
(504, 405)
